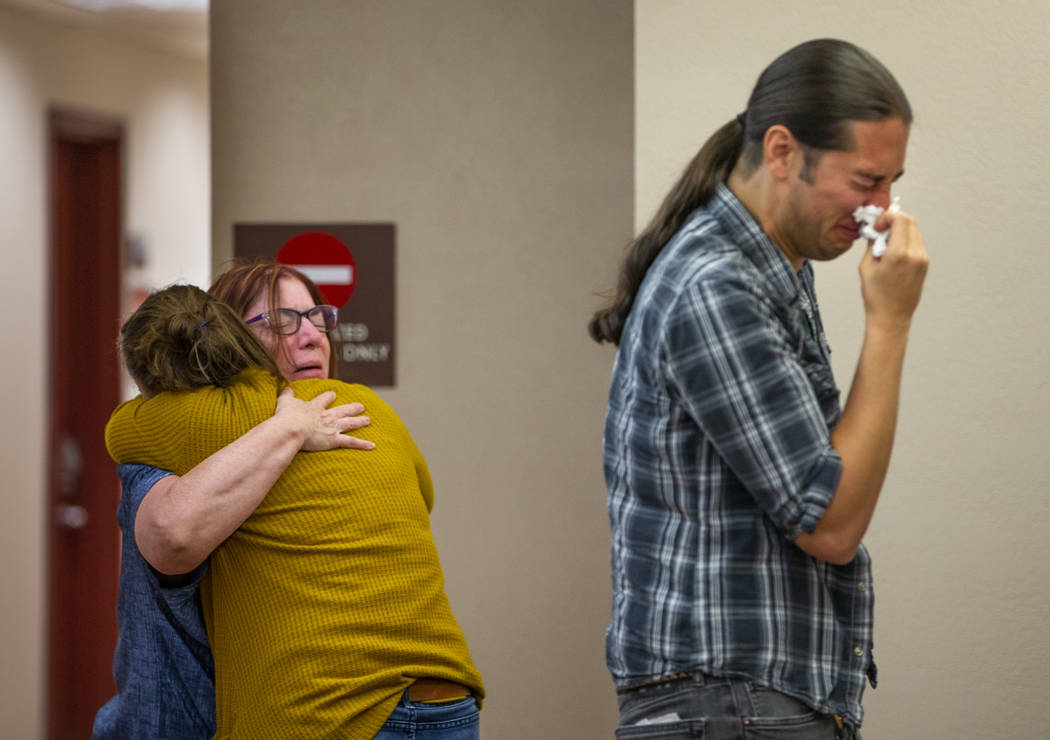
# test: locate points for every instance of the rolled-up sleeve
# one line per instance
(734, 368)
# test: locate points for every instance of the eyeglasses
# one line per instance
(288, 320)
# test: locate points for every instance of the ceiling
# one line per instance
(172, 26)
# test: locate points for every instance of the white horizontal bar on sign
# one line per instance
(327, 274)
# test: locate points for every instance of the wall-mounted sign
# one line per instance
(353, 266)
(325, 260)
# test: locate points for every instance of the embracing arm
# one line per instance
(182, 519)
(864, 436)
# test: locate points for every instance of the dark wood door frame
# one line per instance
(85, 187)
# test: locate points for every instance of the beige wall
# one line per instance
(163, 101)
(498, 137)
(958, 541)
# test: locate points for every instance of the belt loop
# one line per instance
(742, 699)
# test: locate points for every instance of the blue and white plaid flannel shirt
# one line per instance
(717, 455)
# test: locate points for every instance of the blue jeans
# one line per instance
(711, 708)
(448, 720)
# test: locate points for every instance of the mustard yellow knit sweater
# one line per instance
(329, 600)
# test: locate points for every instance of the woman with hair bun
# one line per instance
(307, 637)
(162, 663)
(326, 608)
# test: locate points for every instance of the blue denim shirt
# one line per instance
(162, 664)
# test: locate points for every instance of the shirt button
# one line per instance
(858, 651)
(862, 586)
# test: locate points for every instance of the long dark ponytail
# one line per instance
(694, 188)
(815, 89)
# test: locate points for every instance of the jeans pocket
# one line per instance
(656, 713)
(782, 717)
(688, 729)
(446, 715)
(813, 727)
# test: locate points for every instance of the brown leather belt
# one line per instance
(436, 689)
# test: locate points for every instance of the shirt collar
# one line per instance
(781, 282)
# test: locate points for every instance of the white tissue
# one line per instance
(866, 216)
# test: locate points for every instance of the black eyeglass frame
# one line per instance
(323, 310)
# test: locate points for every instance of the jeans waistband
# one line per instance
(742, 689)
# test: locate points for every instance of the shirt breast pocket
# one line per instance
(822, 381)
(814, 356)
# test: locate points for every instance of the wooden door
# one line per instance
(84, 540)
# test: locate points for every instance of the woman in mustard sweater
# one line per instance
(326, 609)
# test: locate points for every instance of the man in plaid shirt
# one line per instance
(739, 488)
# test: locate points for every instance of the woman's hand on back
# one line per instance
(324, 427)
(182, 519)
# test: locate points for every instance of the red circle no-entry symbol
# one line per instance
(325, 260)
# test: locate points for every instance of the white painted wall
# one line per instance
(958, 541)
(163, 101)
